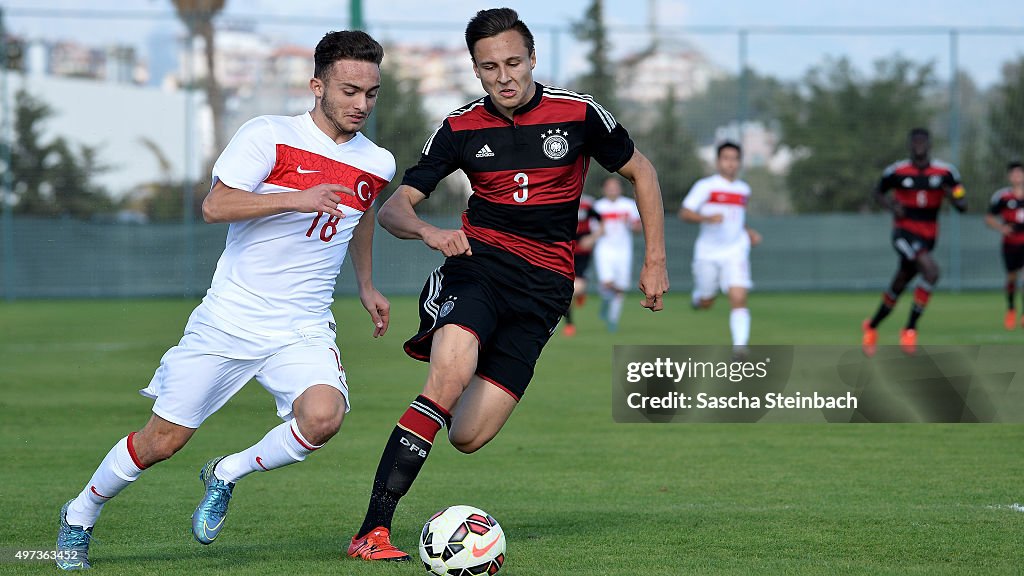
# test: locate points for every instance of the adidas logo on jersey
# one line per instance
(485, 152)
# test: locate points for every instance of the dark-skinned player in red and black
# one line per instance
(507, 279)
(1006, 215)
(918, 185)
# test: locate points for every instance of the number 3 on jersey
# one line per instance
(328, 231)
(523, 181)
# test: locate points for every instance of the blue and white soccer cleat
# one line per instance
(72, 543)
(208, 519)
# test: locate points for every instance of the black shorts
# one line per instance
(511, 310)
(908, 245)
(581, 263)
(1013, 257)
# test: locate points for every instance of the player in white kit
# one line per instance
(613, 253)
(296, 190)
(721, 255)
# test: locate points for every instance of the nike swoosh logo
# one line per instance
(301, 171)
(478, 552)
(260, 462)
(211, 532)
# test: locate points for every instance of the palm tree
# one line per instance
(198, 15)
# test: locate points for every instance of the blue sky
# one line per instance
(440, 21)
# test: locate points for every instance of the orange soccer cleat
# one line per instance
(569, 331)
(908, 340)
(1010, 320)
(376, 545)
(869, 343)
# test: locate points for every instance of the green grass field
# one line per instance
(575, 492)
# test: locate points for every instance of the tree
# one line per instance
(672, 151)
(599, 81)
(198, 15)
(54, 178)
(718, 104)
(1006, 114)
(402, 124)
(982, 174)
(846, 128)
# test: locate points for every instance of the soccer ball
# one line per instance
(462, 541)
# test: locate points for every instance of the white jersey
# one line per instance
(277, 273)
(617, 220)
(728, 238)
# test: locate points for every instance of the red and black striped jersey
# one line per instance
(920, 191)
(526, 173)
(584, 217)
(1010, 209)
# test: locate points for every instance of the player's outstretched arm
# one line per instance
(882, 198)
(227, 204)
(687, 215)
(361, 248)
(398, 216)
(998, 225)
(654, 274)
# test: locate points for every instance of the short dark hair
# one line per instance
(490, 23)
(1013, 165)
(919, 132)
(345, 45)
(728, 144)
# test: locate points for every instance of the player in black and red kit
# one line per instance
(919, 186)
(1006, 214)
(488, 311)
(582, 252)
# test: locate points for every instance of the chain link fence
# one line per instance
(107, 144)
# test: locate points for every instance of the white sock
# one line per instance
(114, 474)
(281, 446)
(615, 308)
(739, 324)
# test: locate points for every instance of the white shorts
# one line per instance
(614, 267)
(209, 366)
(712, 276)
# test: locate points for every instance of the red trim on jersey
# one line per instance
(553, 185)
(317, 169)
(909, 197)
(478, 118)
(926, 229)
(554, 256)
(720, 197)
(299, 439)
(615, 216)
(502, 388)
(910, 169)
(553, 110)
(549, 111)
(131, 452)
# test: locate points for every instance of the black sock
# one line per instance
(568, 316)
(915, 312)
(1011, 290)
(406, 451)
(888, 303)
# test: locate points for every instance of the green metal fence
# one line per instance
(153, 137)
